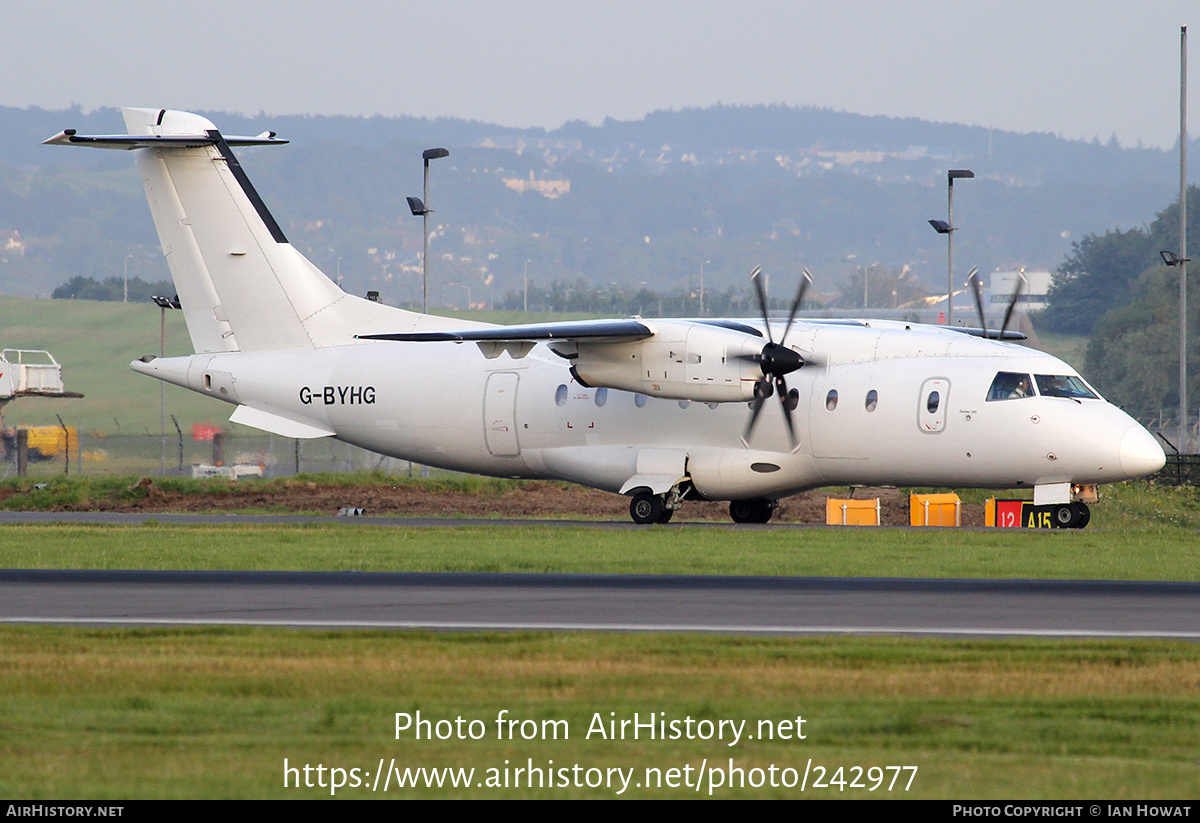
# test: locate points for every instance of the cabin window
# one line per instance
(1063, 385)
(872, 400)
(639, 400)
(831, 400)
(601, 396)
(1010, 386)
(560, 395)
(933, 402)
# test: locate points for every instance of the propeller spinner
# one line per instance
(776, 361)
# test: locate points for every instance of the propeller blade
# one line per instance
(755, 408)
(1022, 280)
(762, 299)
(805, 282)
(785, 402)
(973, 279)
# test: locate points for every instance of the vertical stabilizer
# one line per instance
(241, 284)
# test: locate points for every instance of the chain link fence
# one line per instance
(181, 454)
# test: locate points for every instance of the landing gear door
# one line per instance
(500, 414)
(932, 405)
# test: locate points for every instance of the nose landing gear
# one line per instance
(1072, 515)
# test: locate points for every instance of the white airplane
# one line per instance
(661, 410)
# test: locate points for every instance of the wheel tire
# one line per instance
(763, 511)
(646, 508)
(1067, 516)
(666, 515)
(755, 510)
(741, 511)
(1085, 515)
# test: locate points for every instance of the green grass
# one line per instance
(819, 551)
(1139, 531)
(106, 714)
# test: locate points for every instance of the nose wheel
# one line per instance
(1072, 515)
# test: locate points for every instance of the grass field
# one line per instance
(214, 713)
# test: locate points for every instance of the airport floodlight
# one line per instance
(420, 209)
(1173, 259)
(166, 302)
(947, 228)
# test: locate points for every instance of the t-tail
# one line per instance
(241, 284)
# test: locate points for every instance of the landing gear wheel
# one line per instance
(666, 515)
(1085, 515)
(648, 508)
(757, 510)
(1068, 516)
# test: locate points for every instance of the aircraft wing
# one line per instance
(990, 334)
(595, 331)
(592, 331)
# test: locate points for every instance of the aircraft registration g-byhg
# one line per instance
(661, 410)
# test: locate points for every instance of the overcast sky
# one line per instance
(1079, 68)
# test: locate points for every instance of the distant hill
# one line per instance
(632, 202)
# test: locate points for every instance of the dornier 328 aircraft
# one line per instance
(660, 410)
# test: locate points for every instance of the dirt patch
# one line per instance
(530, 499)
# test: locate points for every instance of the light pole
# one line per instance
(702, 265)
(1183, 258)
(163, 304)
(421, 208)
(947, 228)
(125, 297)
(526, 285)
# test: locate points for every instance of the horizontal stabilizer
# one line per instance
(277, 424)
(146, 141)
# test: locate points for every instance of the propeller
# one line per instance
(776, 360)
(1022, 282)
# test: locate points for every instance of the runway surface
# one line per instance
(740, 605)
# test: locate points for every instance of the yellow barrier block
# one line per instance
(935, 510)
(51, 440)
(851, 512)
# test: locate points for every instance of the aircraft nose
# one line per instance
(1140, 453)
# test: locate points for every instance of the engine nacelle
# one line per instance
(682, 361)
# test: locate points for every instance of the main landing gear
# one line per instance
(755, 510)
(647, 507)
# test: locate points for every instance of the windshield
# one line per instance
(1063, 385)
(1010, 386)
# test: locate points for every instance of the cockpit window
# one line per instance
(1010, 386)
(1063, 385)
